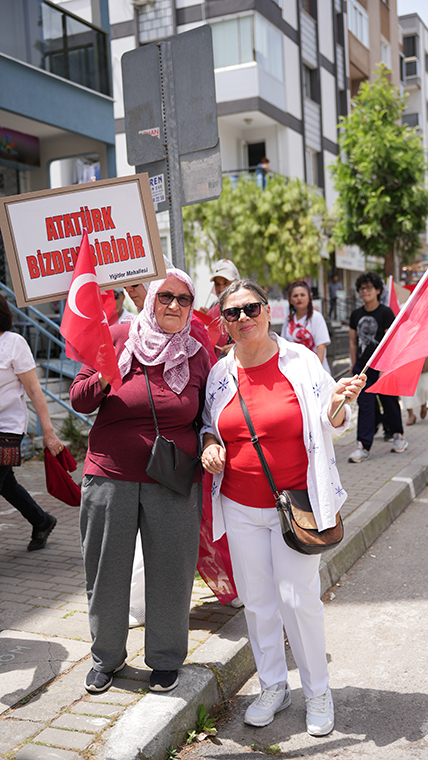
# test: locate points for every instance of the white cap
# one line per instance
(227, 269)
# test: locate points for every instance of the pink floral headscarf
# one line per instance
(151, 345)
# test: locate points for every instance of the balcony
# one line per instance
(49, 38)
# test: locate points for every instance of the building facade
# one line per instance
(56, 106)
(415, 77)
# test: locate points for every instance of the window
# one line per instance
(385, 53)
(233, 42)
(412, 68)
(310, 83)
(269, 48)
(358, 21)
(245, 39)
(311, 167)
(426, 62)
(411, 119)
(411, 46)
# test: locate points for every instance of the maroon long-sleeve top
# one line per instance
(123, 434)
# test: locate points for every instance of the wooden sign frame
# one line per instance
(42, 232)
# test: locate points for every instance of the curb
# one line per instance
(223, 664)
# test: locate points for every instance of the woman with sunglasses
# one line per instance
(291, 400)
(119, 499)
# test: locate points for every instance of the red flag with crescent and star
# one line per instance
(84, 324)
(401, 353)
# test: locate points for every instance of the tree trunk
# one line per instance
(389, 266)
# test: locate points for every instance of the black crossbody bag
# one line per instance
(168, 464)
(299, 529)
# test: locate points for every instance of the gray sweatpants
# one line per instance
(111, 513)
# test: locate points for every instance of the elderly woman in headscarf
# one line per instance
(119, 498)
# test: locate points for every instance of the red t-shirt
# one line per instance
(277, 420)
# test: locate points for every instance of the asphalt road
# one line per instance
(377, 642)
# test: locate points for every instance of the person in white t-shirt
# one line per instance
(304, 324)
(17, 376)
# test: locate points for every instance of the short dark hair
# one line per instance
(373, 278)
(5, 315)
(246, 283)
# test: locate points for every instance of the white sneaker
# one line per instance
(320, 714)
(400, 444)
(236, 602)
(360, 454)
(262, 711)
(137, 617)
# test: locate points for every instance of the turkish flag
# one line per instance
(84, 324)
(392, 299)
(211, 324)
(109, 306)
(402, 352)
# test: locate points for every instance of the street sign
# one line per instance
(171, 123)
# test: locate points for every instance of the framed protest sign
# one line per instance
(42, 232)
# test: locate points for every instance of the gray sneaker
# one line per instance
(400, 444)
(262, 711)
(360, 454)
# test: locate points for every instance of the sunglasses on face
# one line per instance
(166, 298)
(234, 312)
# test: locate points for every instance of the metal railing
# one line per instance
(48, 348)
(50, 38)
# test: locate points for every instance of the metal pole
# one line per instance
(172, 157)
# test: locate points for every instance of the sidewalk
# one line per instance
(45, 642)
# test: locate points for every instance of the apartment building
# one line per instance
(415, 77)
(56, 106)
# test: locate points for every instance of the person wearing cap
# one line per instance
(224, 274)
(122, 313)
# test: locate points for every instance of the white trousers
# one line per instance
(138, 581)
(280, 588)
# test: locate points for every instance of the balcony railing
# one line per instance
(52, 39)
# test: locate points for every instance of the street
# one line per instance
(376, 627)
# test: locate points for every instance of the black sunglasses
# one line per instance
(250, 310)
(166, 298)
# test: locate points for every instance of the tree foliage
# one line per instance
(383, 202)
(274, 235)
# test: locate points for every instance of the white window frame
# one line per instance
(358, 22)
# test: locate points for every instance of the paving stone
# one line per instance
(29, 661)
(77, 722)
(47, 704)
(93, 708)
(114, 698)
(37, 752)
(13, 732)
(65, 739)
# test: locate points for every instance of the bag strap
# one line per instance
(151, 399)
(195, 427)
(256, 443)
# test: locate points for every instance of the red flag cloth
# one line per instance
(211, 324)
(84, 324)
(198, 331)
(214, 564)
(393, 300)
(109, 306)
(58, 481)
(402, 352)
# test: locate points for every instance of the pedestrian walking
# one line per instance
(291, 400)
(18, 375)
(367, 326)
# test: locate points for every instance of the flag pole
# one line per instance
(392, 327)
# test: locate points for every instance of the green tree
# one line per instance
(274, 235)
(379, 176)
